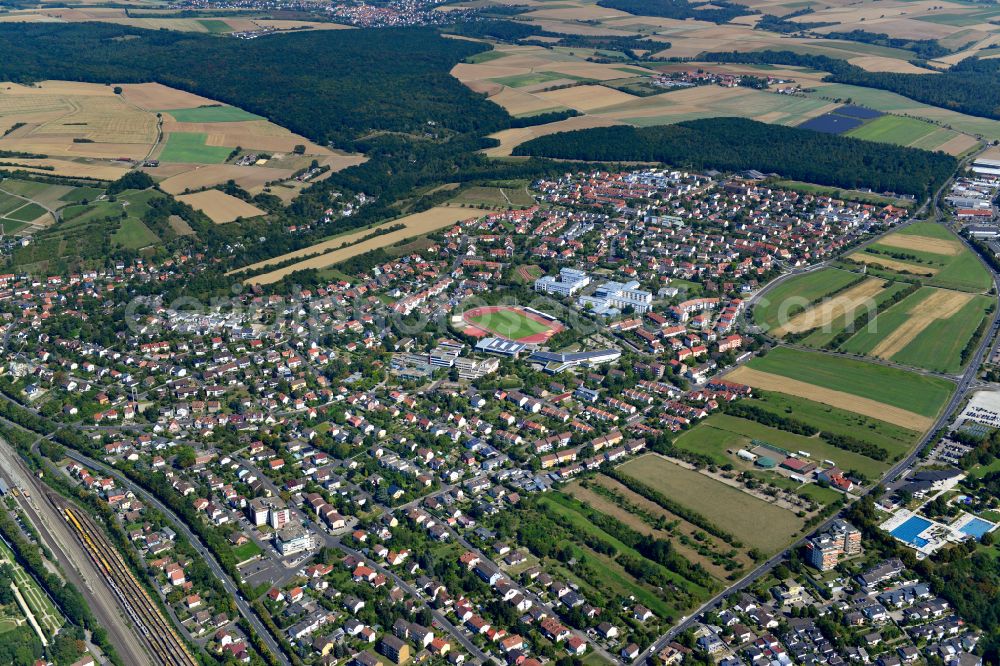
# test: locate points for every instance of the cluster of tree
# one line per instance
(855, 445)
(721, 11)
(970, 347)
(133, 180)
(18, 153)
(971, 86)
(512, 31)
(656, 550)
(785, 24)
(323, 84)
(738, 143)
(927, 49)
(673, 507)
(751, 412)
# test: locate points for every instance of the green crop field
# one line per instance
(939, 346)
(865, 339)
(893, 129)
(752, 520)
(190, 148)
(921, 394)
(9, 203)
(821, 337)
(26, 213)
(79, 194)
(720, 432)
(211, 114)
(509, 323)
(803, 289)
(217, 26)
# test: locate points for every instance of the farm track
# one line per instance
(166, 647)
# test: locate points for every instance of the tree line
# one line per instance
(734, 144)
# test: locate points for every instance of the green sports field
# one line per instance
(509, 324)
(913, 392)
(190, 148)
(211, 114)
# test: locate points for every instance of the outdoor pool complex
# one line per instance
(909, 530)
(976, 527)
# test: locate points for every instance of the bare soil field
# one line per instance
(892, 264)
(942, 304)
(827, 311)
(586, 98)
(950, 248)
(219, 206)
(511, 138)
(350, 245)
(852, 403)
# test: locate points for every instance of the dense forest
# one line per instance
(719, 12)
(971, 86)
(513, 31)
(324, 84)
(738, 143)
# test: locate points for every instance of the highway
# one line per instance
(963, 383)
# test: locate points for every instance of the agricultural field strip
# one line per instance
(922, 244)
(826, 311)
(832, 397)
(942, 304)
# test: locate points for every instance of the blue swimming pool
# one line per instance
(909, 530)
(976, 527)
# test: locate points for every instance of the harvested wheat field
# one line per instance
(942, 304)
(959, 144)
(884, 64)
(923, 244)
(155, 97)
(342, 248)
(511, 138)
(847, 303)
(892, 264)
(247, 177)
(852, 403)
(519, 103)
(586, 98)
(219, 206)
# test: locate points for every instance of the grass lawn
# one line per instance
(893, 129)
(133, 234)
(755, 522)
(212, 114)
(190, 148)
(721, 432)
(246, 551)
(509, 324)
(906, 390)
(893, 438)
(801, 290)
(26, 213)
(486, 56)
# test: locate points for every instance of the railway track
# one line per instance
(165, 645)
